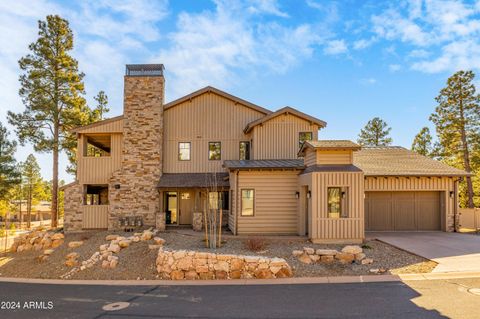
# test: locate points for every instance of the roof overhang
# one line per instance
(328, 145)
(194, 180)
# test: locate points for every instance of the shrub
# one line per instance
(3, 233)
(255, 244)
(13, 229)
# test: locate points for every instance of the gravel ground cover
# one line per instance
(138, 261)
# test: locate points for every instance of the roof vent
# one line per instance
(144, 70)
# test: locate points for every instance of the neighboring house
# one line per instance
(168, 163)
(39, 212)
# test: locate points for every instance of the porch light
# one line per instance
(343, 194)
(117, 186)
(309, 194)
(451, 194)
(297, 195)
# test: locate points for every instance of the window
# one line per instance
(248, 202)
(214, 151)
(96, 195)
(97, 145)
(217, 200)
(304, 136)
(337, 202)
(244, 150)
(184, 151)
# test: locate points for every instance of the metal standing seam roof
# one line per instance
(398, 161)
(331, 168)
(265, 164)
(193, 180)
(333, 144)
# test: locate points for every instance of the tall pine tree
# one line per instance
(422, 143)
(9, 174)
(52, 91)
(457, 121)
(375, 133)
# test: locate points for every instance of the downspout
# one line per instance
(455, 204)
(236, 203)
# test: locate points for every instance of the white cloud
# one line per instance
(394, 67)
(363, 43)
(266, 6)
(335, 47)
(211, 47)
(449, 27)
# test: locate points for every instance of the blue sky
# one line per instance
(341, 61)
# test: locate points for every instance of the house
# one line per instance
(167, 163)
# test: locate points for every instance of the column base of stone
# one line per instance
(197, 221)
(160, 221)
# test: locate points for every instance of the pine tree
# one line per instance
(9, 174)
(375, 133)
(422, 143)
(52, 91)
(32, 184)
(102, 106)
(457, 121)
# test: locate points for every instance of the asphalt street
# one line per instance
(414, 299)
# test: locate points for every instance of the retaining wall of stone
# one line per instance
(193, 265)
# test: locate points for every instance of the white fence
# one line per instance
(469, 220)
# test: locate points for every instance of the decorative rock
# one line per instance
(111, 237)
(146, 235)
(114, 248)
(136, 239)
(263, 274)
(57, 236)
(73, 255)
(304, 258)
(236, 264)
(345, 258)
(37, 247)
(103, 247)
(159, 241)
(360, 256)
(185, 263)
(105, 264)
(48, 251)
(124, 243)
(71, 262)
(285, 272)
(191, 275)
(314, 258)
(297, 253)
(177, 275)
(221, 275)
(235, 274)
(309, 250)
(113, 263)
(367, 261)
(56, 243)
(352, 249)
(326, 252)
(207, 275)
(154, 246)
(327, 259)
(75, 244)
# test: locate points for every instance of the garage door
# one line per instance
(402, 211)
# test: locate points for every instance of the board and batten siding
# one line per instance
(206, 118)
(98, 170)
(233, 202)
(278, 138)
(323, 229)
(276, 206)
(444, 185)
(114, 125)
(95, 216)
(328, 157)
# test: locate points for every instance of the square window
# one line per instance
(244, 150)
(96, 195)
(214, 151)
(184, 151)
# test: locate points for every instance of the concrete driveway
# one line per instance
(452, 251)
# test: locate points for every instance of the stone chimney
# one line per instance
(133, 188)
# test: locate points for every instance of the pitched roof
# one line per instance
(218, 92)
(98, 123)
(331, 168)
(187, 180)
(285, 110)
(398, 161)
(265, 164)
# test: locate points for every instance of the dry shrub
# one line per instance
(255, 244)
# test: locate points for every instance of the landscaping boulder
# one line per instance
(75, 244)
(309, 250)
(326, 252)
(124, 243)
(352, 249)
(367, 261)
(345, 258)
(297, 253)
(56, 243)
(111, 237)
(57, 236)
(304, 258)
(48, 251)
(360, 256)
(114, 248)
(146, 235)
(159, 241)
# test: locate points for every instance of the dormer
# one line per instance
(328, 152)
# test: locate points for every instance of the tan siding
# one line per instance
(206, 118)
(278, 138)
(98, 170)
(310, 157)
(327, 229)
(334, 157)
(443, 184)
(95, 216)
(276, 207)
(115, 126)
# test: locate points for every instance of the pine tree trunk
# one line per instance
(55, 179)
(466, 158)
(29, 207)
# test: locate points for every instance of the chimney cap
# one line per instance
(144, 70)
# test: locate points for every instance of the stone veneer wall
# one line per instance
(142, 152)
(73, 215)
(192, 265)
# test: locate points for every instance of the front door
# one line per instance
(186, 207)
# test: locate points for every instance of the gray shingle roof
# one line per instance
(398, 161)
(331, 168)
(265, 164)
(193, 180)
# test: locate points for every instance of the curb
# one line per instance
(250, 282)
